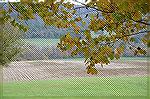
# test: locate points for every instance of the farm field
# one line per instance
(54, 79)
(75, 49)
(67, 78)
(94, 86)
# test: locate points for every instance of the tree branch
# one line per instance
(133, 34)
(87, 6)
(96, 9)
(139, 21)
(13, 7)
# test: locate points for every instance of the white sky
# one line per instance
(10, 0)
(72, 1)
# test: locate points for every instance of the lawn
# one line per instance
(42, 42)
(80, 88)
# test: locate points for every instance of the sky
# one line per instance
(9, 1)
(72, 1)
(75, 1)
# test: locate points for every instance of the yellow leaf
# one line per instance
(137, 16)
(120, 50)
(78, 19)
(117, 56)
(68, 36)
(77, 29)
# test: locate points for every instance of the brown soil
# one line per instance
(45, 70)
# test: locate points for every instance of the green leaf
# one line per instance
(13, 22)
(111, 56)
(86, 52)
(148, 43)
(73, 53)
(83, 42)
(132, 39)
(21, 27)
(25, 29)
(68, 47)
(117, 16)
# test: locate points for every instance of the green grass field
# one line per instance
(80, 88)
(42, 42)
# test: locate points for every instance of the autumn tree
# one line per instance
(115, 21)
(10, 43)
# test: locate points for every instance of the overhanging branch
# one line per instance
(87, 6)
(96, 9)
(142, 32)
(141, 22)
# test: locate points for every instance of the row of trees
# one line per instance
(33, 52)
(119, 20)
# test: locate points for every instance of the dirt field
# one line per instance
(44, 70)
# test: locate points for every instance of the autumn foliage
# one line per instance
(116, 21)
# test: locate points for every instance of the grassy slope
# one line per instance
(42, 42)
(114, 86)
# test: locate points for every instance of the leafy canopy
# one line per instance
(117, 23)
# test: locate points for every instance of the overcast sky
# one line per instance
(72, 1)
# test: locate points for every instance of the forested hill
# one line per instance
(37, 29)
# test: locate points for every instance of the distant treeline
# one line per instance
(32, 52)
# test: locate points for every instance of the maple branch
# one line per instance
(96, 9)
(13, 7)
(142, 32)
(87, 6)
(131, 45)
(108, 43)
(139, 21)
(85, 12)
